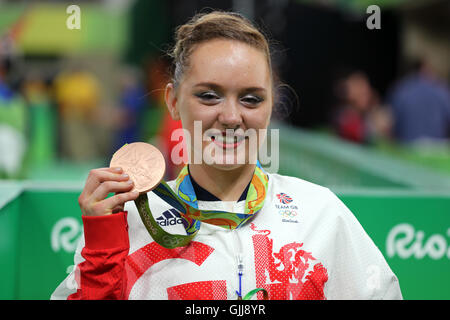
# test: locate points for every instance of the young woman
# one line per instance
(280, 238)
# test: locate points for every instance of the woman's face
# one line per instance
(226, 95)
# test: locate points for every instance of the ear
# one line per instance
(171, 101)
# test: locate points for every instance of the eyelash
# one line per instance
(255, 99)
(209, 96)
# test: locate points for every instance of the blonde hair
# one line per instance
(228, 25)
(207, 26)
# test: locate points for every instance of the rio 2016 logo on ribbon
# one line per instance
(404, 241)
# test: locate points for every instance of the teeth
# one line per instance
(227, 140)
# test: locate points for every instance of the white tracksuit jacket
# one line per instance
(304, 244)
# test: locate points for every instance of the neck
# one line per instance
(227, 185)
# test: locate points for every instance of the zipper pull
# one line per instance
(240, 267)
(240, 263)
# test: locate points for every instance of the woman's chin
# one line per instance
(227, 166)
(227, 163)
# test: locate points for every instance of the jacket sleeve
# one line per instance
(361, 271)
(100, 261)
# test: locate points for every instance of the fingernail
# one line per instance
(130, 182)
(125, 175)
(118, 169)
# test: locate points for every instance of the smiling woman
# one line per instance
(212, 93)
(230, 210)
(223, 78)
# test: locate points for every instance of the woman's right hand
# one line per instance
(99, 184)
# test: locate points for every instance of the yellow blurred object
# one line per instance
(77, 94)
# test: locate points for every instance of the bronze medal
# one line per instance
(144, 164)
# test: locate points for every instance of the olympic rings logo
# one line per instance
(288, 213)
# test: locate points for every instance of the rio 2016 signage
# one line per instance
(406, 242)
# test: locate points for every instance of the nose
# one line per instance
(230, 116)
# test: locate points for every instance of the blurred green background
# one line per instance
(70, 97)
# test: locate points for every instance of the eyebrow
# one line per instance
(217, 86)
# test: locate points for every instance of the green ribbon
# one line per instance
(250, 295)
(162, 237)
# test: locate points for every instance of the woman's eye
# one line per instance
(251, 99)
(208, 96)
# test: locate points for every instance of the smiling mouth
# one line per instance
(228, 142)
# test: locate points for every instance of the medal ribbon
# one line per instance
(185, 201)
